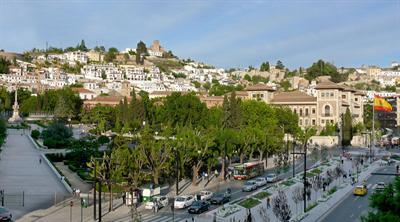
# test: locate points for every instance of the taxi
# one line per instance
(360, 190)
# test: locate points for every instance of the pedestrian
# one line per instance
(216, 173)
(40, 160)
(123, 198)
(268, 202)
(249, 217)
(73, 192)
(78, 192)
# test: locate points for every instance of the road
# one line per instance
(352, 207)
(28, 184)
(236, 186)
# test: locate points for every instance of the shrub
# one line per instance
(35, 134)
(103, 139)
(73, 167)
(249, 203)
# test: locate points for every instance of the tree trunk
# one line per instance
(266, 162)
(241, 158)
(110, 205)
(156, 177)
(223, 169)
(195, 175)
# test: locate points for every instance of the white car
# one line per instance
(380, 186)
(249, 185)
(161, 200)
(261, 181)
(271, 178)
(205, 195)
(183, 201)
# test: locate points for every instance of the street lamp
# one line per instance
(305, 183)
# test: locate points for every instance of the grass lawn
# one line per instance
(308, 174)
(249, 203)
(311, 207)
(262, 195)
(288, 183)
(333, 190)
(316, 171)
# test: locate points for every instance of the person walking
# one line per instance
(40, 160)
(268, 202)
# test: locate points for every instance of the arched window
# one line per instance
(327, 110)
(301, 112)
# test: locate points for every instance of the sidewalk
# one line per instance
(73, 178)
(323, 200)
(322, 209)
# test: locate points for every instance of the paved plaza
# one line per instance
(28, 184)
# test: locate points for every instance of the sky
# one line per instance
(223, 33)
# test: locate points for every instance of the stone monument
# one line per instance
(15, 118)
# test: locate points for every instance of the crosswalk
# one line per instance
(151, 217)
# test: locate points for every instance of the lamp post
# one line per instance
(305, 184)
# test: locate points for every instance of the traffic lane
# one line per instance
(352, 207)
(236, 194)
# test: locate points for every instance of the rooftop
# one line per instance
(294, 96)
(259, 87)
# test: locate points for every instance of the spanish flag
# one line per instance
(381, 104)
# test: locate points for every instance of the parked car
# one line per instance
(183, 201)
(220, 198)
(271, 178)
(360, 190)
(261, 181)
(199, 207)
(249, 185)
(5, 214)
(205, 195)
(380, 186)
(161, 200)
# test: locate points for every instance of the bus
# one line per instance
(248, 170)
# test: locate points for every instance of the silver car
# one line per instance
(271, 178)
(249, 185)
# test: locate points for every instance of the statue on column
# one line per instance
(15, 118)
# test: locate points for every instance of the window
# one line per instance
(301, 112)
(343, 96)
(332, 95)
(327, 110)
(295, 110)
(313, 111)
(301, 122)
(322, 94)
(356, 99)
(322, 121)
(313, 122)
(306, 122)
(306, 111)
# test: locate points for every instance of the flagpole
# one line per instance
(373, 123)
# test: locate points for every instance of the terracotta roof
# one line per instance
(359, 93)
(81, 90)
(108, 99)
(239, 93)
(328, 85)
(259, 87)
(349, 89)
(294, 97)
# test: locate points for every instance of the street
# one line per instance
(352, 207)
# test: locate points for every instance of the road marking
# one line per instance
(369, 185)
(374, 187)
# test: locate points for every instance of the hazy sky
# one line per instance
(222, 33)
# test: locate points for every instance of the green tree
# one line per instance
(264, 66)
(347, 129)
(322, 68)
(4, 65)
(141, 51)
(156, 152)
(82, 46)
(279, 65)
(63, 109)
(247, 77)
(329, 130)
(232, 116)
(385, 204)
(111, 54)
